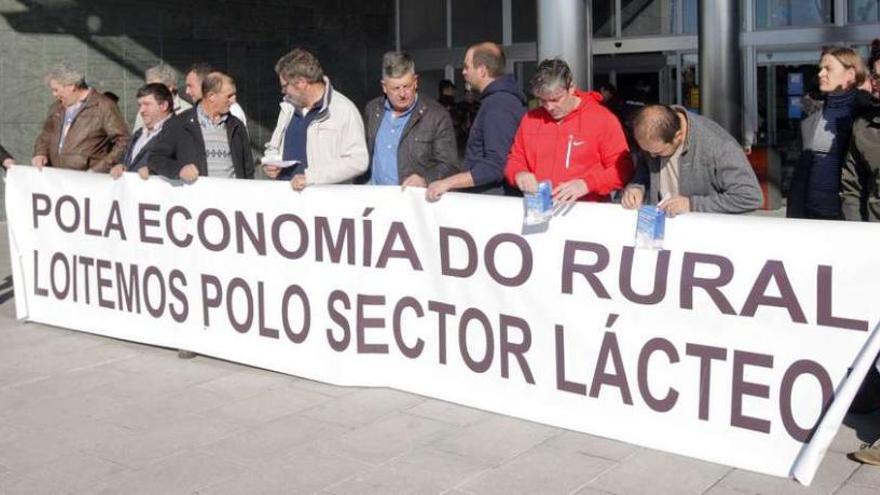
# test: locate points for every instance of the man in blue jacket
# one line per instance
(502, 105)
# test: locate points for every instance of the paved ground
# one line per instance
(87, 414)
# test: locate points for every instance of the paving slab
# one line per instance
(421, 471)
(540, 470)
(650, 471)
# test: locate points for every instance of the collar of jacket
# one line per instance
(324, 113)
(689, 139)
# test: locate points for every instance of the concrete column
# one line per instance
(720, 88)
(565, 31)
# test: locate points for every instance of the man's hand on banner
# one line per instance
(298, 183)
(117, 171)
(526, 182)
(414, 180)
(189, 173)
(675, 205)
(569, 192)
(39, 161)
(632, 197)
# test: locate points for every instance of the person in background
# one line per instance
(825, 136)
(195, 76)
(163, 74)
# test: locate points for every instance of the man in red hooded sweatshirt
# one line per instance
(571, 139)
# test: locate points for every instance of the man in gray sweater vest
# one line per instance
(693, 165)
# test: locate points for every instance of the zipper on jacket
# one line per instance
(568, 151)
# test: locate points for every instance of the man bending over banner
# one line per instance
(695, 165)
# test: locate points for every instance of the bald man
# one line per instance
(693, 165)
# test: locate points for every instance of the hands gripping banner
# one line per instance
(742, 331)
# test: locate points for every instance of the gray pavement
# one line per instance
(81, 413)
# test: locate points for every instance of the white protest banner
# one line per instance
(737, 334)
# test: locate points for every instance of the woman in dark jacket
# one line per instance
(815, 187)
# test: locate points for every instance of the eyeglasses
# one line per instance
(403, 88)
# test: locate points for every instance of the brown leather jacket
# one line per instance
(96, 140)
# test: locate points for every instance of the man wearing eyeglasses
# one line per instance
(319, 137)
(410, 136)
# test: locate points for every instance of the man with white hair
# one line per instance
(84, 129)
(163, 74)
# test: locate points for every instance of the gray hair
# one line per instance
(299, 63)
(397, 64)
(65, 75)
(550, 74)
(162, 73)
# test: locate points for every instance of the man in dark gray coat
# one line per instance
(693, 165)
(860, 177)
(410, 136)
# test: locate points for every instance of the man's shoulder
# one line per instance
(339, 100)
(187, 115)
(175, 123)
(707, 129)
(375, 102)
(100, 100)
(870, 115)
(232, 122)
(430, 104)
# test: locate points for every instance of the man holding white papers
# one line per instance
(318, 127)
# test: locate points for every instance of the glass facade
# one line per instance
(863, 11)
(647, 17)
(474, 21)
(523, 19)
(422, 24)
(690, 16)
(603, 19)
(793, 13)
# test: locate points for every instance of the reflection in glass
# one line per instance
(863, 10)
(603, 19)
(524, 20)
(474, 21)
(647, 17)
(422, 24)
(783, 13)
